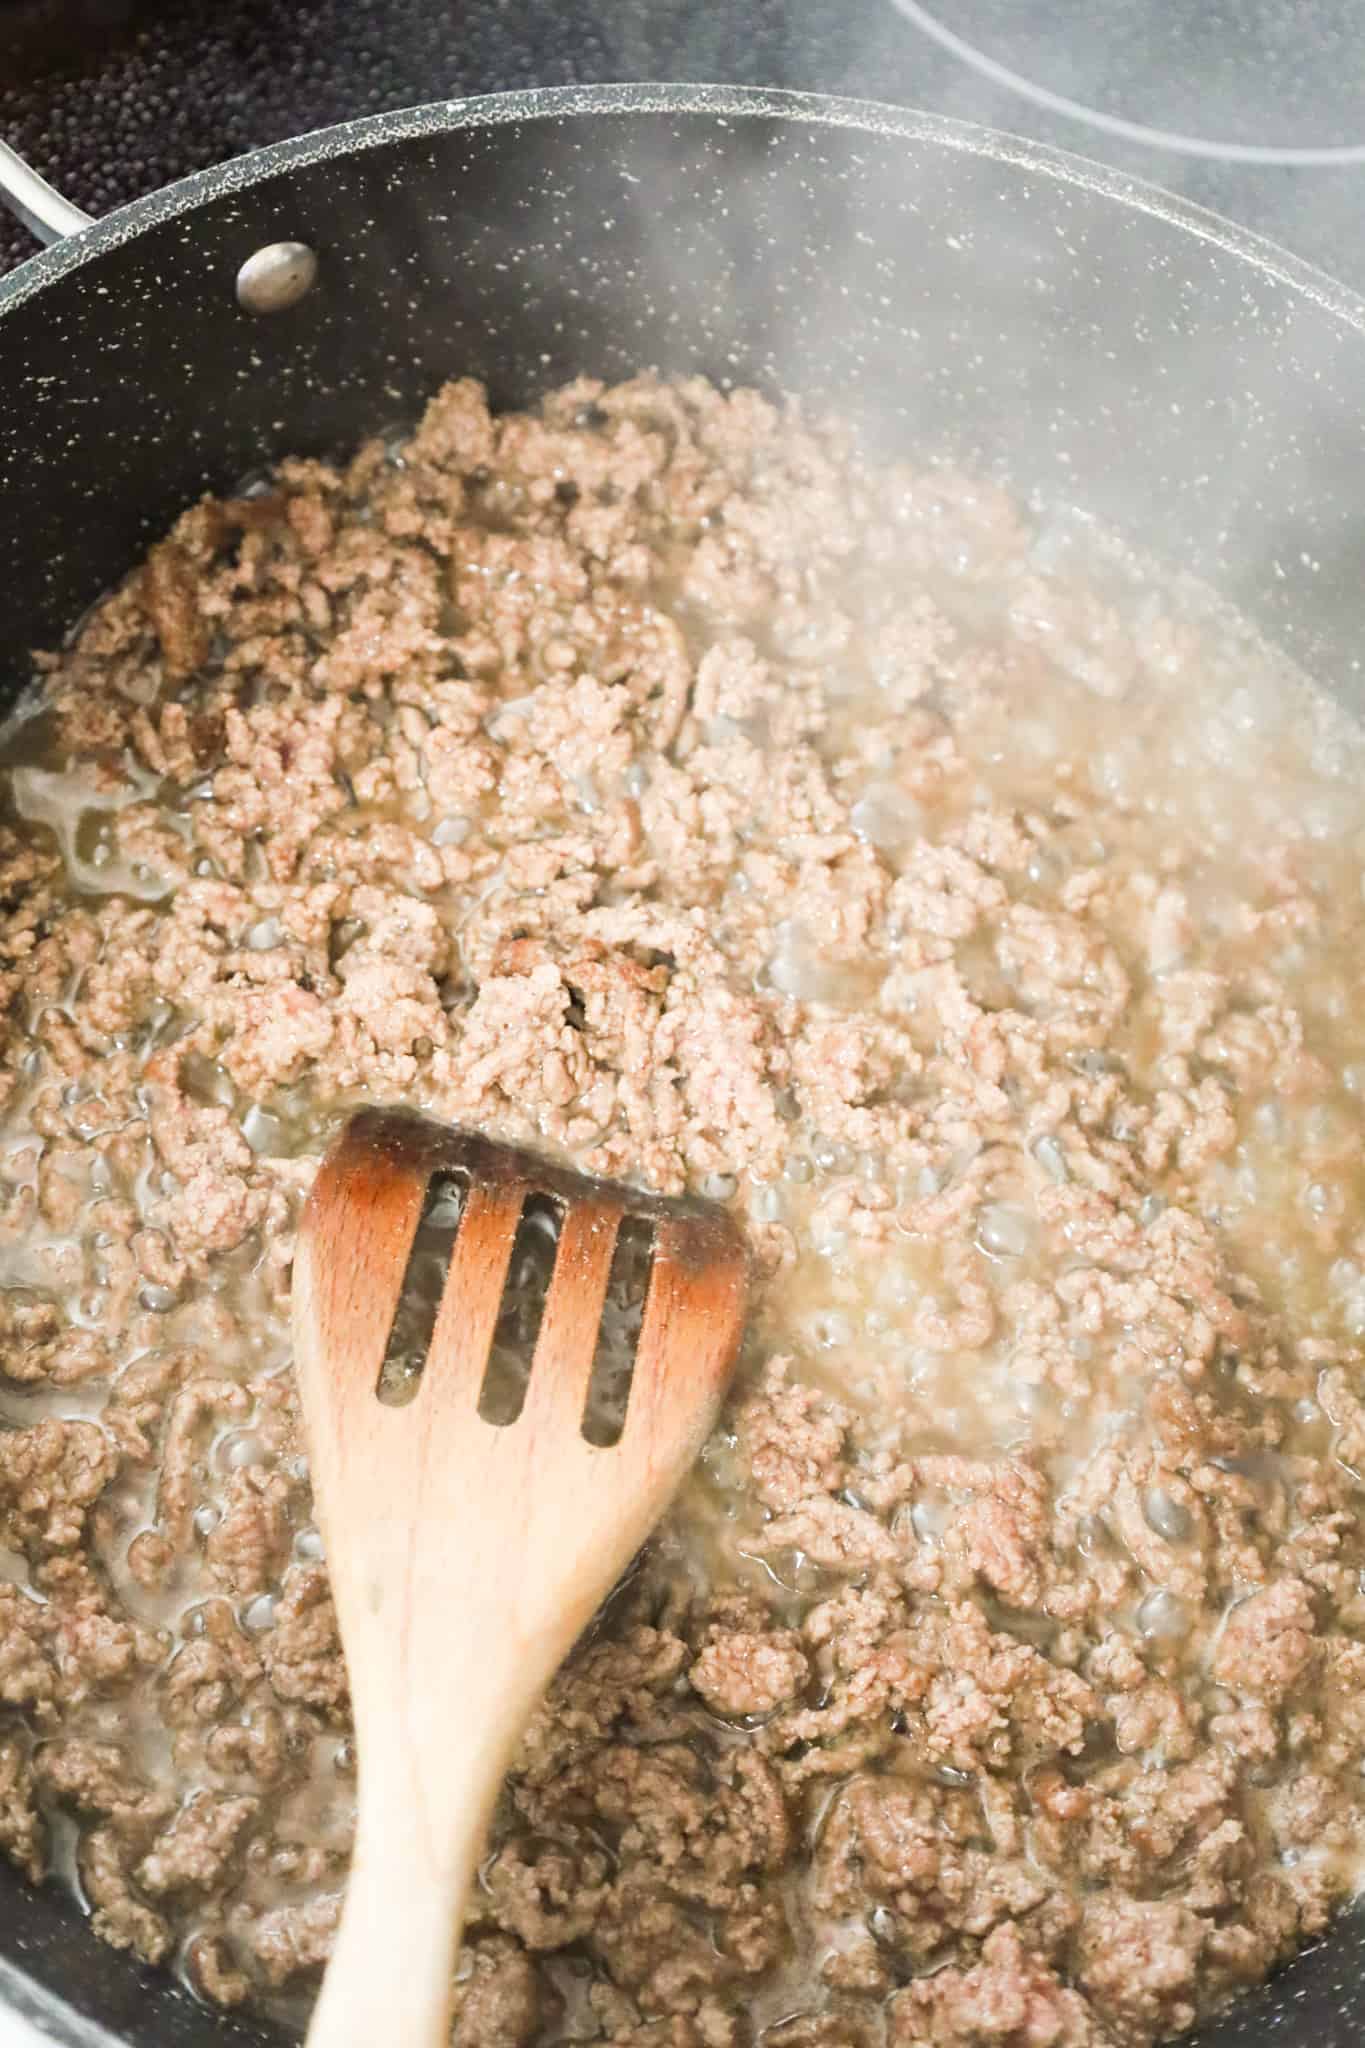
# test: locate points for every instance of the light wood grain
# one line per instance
(465, 1558)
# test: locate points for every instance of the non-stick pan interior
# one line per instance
(948, 291)
(1129, 358)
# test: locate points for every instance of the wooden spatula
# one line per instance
(466, 1554)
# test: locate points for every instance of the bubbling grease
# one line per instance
(1141, 732)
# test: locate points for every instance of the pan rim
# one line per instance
(723, 102)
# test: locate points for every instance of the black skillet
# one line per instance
(1091, 338)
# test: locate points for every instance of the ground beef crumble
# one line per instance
(649, 779)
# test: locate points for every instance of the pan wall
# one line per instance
(950, 297)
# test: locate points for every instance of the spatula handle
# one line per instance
(389, 1983)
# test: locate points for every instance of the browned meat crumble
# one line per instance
(649, 779)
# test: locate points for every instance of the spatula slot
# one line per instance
(424, 1278)
(618, 1334)
(503, 1393)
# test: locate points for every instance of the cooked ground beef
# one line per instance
(649, 779)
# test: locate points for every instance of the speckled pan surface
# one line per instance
(720, 102)
(950, 289)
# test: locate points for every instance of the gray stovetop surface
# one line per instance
(113, 97)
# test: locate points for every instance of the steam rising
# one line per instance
(1177, 392)
(1072, 333)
